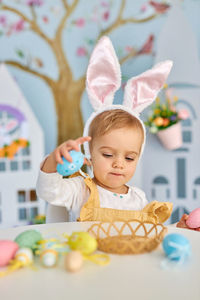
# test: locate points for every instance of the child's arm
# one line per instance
(55, 157)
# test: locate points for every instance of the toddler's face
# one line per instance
(114, 158)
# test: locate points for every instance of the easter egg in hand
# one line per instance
(176, 246)
(69, 168)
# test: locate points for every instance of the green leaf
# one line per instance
(20, 53)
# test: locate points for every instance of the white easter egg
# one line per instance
(24, 255)
(49, 258)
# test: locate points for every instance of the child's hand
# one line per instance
(55, 157)
(63, 149)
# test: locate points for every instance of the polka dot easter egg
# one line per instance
(69, 168)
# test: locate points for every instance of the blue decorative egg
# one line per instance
(176, 246)
(69, 168)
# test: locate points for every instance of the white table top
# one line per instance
(136, 277)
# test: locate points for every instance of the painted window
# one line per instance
(160, 190)
(181, 177)
(14, 165)
(196, 190)
(2, 166)
(0, 210)
(21, 196)
(26, 165)
(22, 214)
(33, 196)
(177, 214)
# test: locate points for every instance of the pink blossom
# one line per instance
(80, 22)
(106, 15)
(34, 2)
(81, 51)
(18, 26)
(148, 46)
(45, 19)
(128, 49)
(183, 114)
(104, 4)
(160, 8)
(3, 20)
(143, 8)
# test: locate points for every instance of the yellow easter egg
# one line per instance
(83, 242)
(73, 261)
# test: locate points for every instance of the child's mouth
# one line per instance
(116, 174)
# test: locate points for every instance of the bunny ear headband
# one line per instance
(104, 79)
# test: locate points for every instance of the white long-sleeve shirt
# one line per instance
(72, 193)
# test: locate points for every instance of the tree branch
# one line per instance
(16, 64)
(15, 11)
(65, 4)
(119, 21)
(131, 54)
(32, 23)
(69, 11)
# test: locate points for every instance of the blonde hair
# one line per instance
(113, 119)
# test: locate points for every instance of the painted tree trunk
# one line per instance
(69, 117)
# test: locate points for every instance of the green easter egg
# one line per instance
(28, 238)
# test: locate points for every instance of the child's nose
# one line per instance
(118, 163)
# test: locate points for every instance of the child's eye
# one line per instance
(107, 155)
(130, 158)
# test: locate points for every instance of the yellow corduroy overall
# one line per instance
(156, 212)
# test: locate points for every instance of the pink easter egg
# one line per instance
(7, 251)
(193, 220)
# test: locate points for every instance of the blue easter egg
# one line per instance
(176, 246)
(69, 168)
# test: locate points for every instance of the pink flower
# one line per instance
(148, 46)
(81, 51)
(3, 20)
(104, 4)
(34, 2)
(106, 16)
(80, 22)
(160, 8)
(45, 19)
(128, 49)
(183, 114)
(18, 26)
(143, 8)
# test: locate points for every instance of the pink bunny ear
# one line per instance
(142, 90)
(103, 74)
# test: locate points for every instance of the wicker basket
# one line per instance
(132, 237)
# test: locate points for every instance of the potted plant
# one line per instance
(164, 120)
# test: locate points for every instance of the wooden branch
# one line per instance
(119, 21)
(17, 12)
(16, 64)
(132, 53)
(33, 13)
(68, 12)
(65, 4)
(32, 23)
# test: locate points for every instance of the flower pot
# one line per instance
(171, 137)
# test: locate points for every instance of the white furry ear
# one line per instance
(141, 91)
(103, 74)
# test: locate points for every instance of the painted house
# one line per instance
(21, 151)
(175, 175)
